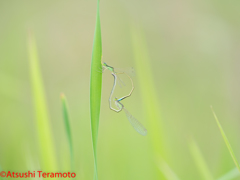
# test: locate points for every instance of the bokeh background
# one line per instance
(193, 62)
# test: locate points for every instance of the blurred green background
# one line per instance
(193, 55)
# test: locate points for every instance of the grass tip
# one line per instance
(62, 96)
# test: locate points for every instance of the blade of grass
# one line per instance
(67, 127)
(48, 160)
(226, 141)
(148, 93)
(96, 87)
(199, 161)
(151, 104)
(166, 170)
(31, 163)
(230, 175)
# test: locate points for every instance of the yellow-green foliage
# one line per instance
(48, 159)
(96, 87)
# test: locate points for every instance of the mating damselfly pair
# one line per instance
(133, 121)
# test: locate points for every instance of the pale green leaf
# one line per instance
(96, 87)
(200, 161)
(234, 173)
(226, 141)
(48, 159)
(166, 170)
(67, 127)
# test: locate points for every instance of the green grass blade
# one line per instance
(48, 161)
(96, 87)
(226, 141)
(199, 161)
(234, 173)
(148, 90)
(149, 95)
(166, 170)
(67, 127)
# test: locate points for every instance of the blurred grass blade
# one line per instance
(166, 170)
(67, 126)
(96, 87)
(48, 161)
(148, 90)
(226, 141)
(149, 95)
(234, 173)
(199, 160)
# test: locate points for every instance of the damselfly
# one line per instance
(114, 73)
(133, 121)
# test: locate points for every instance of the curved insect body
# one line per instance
(133, 121)
(105, 66)
(110, 98)
(114, 85)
